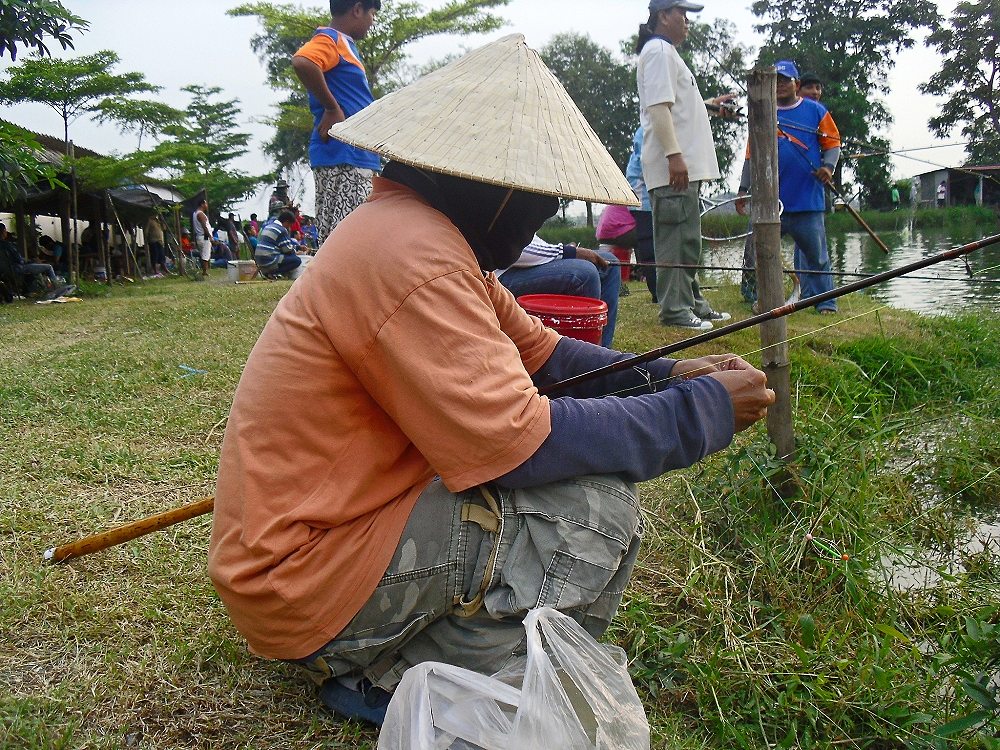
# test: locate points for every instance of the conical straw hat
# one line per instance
(496, 115)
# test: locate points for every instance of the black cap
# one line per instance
(810, 78)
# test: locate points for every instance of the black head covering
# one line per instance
(473, 206)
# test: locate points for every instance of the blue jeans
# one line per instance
(808, 229)
(580, 278)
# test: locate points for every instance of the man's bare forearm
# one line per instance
(312, 78)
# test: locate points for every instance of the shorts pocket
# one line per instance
(572, 582)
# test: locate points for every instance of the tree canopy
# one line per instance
(199, 151)
(851, 45)
(600, 85)
(969, 78)
(30, 22)
(73, 87)
(287, 27)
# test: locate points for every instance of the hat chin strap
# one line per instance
(503, 205)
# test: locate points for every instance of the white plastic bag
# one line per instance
(570, 692)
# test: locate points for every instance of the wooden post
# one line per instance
(21, 226)
(32, 254)
(766, 221)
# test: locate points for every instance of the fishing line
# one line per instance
(936, 506)
(711, 368)
(876, 151)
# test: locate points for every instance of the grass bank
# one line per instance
(746, 625)
(717, 224)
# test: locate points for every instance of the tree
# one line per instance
(851, 45)
(398, 24)
(199, 150)
(73, 88)
(600, 85)
(28, 22)
(140, 116)
(969, 76)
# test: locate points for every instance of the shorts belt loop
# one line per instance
(490, 520)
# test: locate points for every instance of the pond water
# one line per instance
(952, 289)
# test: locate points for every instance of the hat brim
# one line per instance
(692, 7)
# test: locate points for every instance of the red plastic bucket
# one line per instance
(581, 318)
(624, 255)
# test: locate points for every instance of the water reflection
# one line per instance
(856, 252)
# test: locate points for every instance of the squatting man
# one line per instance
(392, 487)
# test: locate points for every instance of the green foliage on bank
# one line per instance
(715, 224)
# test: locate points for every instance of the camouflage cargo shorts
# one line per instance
(470, 565)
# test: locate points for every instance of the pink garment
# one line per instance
(614, 222)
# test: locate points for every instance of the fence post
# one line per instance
(767, 249)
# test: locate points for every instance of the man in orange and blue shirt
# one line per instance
(808, 151)
(330, 67)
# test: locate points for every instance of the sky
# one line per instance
(183, 42)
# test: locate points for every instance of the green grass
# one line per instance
(742, 632)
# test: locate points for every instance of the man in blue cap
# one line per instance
(678, 154)
(808, 151)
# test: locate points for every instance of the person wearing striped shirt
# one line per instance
(545, 268)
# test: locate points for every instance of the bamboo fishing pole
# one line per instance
(778, 312)
(129, 531)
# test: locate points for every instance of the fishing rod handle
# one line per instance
(122, 534)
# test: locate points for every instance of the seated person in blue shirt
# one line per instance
(544, 268)
(276, 250)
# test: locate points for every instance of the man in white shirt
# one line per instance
(678, 153)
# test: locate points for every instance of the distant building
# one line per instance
(965, 186)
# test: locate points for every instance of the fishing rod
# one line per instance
(901, 152)
(829, 185)
(876, 151)
(843, 274)
(778, 312)
(854, 213)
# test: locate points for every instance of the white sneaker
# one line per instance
(695, 323)
(718, 317)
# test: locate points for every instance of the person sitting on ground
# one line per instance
(544, 268)
(21, 267)
(311, 232)
(52, 252)
(617, 228)
(415, 496)
(250, 232)
(221, 254)
(277, 252)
